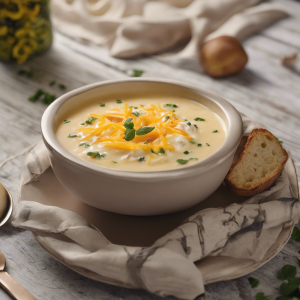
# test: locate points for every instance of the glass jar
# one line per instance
(25, 29)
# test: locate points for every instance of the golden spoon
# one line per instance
(10, 285)
(7, 282)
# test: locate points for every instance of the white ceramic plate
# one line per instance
(143, 231)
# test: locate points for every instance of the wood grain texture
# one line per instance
(265, 91)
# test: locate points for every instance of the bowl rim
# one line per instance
(233, 137)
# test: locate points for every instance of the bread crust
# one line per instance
(247, 192)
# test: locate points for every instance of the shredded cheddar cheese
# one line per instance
(110, 130)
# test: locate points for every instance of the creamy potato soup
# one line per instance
(142, 134)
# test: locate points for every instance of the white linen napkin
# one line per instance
(135, 27)
(245, 230)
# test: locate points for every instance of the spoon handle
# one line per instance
(14, 288)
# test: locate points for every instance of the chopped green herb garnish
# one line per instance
(215, 131)
(188, 123)
(142, 105)
(199, 145)
(173, 110)
(129, 134)
(67, 121)
(296, 234)
(161, 150)
(196, 126)
(102, 104)
(144, 130)
(135, 73)
(261, 296)
(114, 162)
(288, 288)
(192, 142)
(186, 152)
(82, 123)
(30, 74)
(184, 161)
(35, 97)
(145, 143)
(135, 107)
(142, 158)
(22, 72)
(51, 83)
(166, 118)
(136, 113)
(96, 155)
(199, 119)
(62, 86)
(170, 105)
(119, 101)
(128, 124)
(287, 271)
(72, 135)
(279, 141)
(90, 120)
(152, 151)
(253, 282)
(85, 145)
(208, 144)
(48, 98)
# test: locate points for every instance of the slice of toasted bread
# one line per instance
(259, 165)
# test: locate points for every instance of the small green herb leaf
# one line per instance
(144, 130)
(199, 145)
(22, 72)
(208, 144)
(102, 104)
(287, 288)
(48, 98)
(287, 271)
(142, 158)
(85, 145)
(128, 123)
(82, 123)
(136, 113)
(215, 131)
(199, 119)
(51, 83)
(114, 162)
(186, 152)
(170, 105)
(35, 97)
(188, 123)
(30, 74)
(166, 118)
(67, 121)
(184, 161)
(296, 234)
(72, 135)
(96, 155)
(151, 150)
(253, 282)
(90, 120)
(161, 150)
(193, 142)
(129, 134)
(135, 73)
(196, 126)
(119, 101)
(62, 86)
(261, 296)
(279, 141)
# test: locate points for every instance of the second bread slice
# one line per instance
(259, 165)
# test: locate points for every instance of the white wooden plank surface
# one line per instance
(266, 91)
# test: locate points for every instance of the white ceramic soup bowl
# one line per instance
(141, 193)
